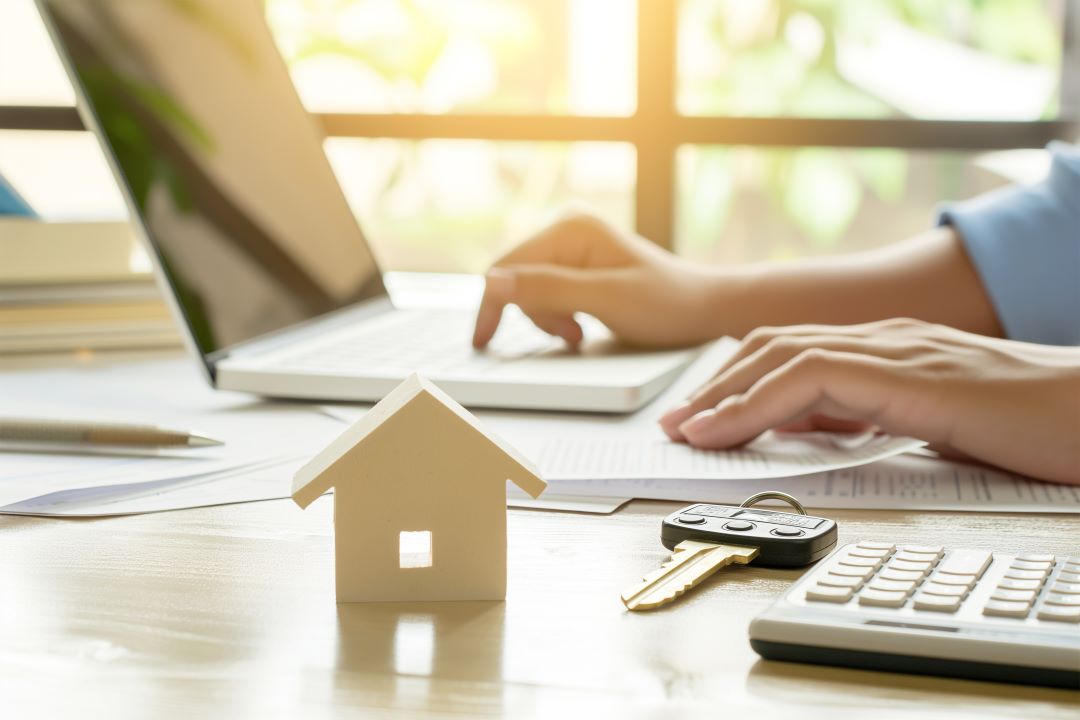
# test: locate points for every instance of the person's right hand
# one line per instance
(644, 294)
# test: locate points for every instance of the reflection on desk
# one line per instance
(229, 612)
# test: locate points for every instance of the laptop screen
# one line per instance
(223, 165)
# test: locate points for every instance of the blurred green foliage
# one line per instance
(737, 57)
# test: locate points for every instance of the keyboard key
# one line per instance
(874, 545)
(966, 562)
(1056, 599)
(905, 586)
(889, 573)
(1002, 608)
(827, 593)
(907, 556)
(964, 580)
(868, 552)
(882, 598)
(1031, 565)
(861, 561)
(844, 581)
(1066, 588)
(1070, 577)
(1036, 557)
(1027, 596)
(1013, 584)
(1059, 613)
(938, 603)
(924, 549)
(921, 567)
(933, 588)
(852, 571)
(1025, 574)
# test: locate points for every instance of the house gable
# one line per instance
(315, 478)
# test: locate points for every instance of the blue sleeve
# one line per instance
(1025, 245)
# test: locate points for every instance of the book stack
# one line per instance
(77, 286)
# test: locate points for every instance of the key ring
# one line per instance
(773, 495)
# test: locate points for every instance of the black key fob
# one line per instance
(783, 539)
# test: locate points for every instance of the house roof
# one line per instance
(312, 480)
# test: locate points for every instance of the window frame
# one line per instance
(656, 130)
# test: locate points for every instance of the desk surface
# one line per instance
(229, 612)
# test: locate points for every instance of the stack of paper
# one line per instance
(69, 286)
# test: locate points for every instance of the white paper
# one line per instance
(648, 457)
(262, 441)
(904, 482)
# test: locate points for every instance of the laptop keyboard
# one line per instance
(429, 341)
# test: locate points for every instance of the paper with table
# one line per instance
(593, 462)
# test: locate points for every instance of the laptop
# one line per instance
(254, 243)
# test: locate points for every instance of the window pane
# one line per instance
(472, 56)
(963, 59)
(739, 204)
(30, 72)
(453, 205)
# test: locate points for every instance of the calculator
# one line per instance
(932, 611)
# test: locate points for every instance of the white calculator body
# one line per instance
(931, 610)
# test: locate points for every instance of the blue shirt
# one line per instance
(1025, 245)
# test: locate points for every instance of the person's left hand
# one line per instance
(1011, 404)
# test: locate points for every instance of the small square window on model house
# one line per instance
(414, 549)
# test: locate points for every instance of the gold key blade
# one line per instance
(690, 563)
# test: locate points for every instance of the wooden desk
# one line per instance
(228, 612)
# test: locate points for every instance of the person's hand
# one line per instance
(1011, 404)
(644, 294)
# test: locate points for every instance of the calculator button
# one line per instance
(905, 586)
(908, 556)
(939, 603)
(1027, 596)
(861, 562)
(933, 588)
(828, 593)
(889, 573)
(887, 547)
(1025, 574)
(868, 552)
(1036, 557)
(1056, 599)
(852, 571)
(962, 580)
(787, 532)
(1002, 608)
(739, 526)
(1031, 565)
(882, 598)
(966, 562)
(1059, 613)
(1014, 584)
(690, 519)
(846, 581)
(935, 550)
(923, 567)
(1066, 588)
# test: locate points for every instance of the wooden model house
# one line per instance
(419, 500)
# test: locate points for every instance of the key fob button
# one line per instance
(690, 519)
(739, 526)
(787, 532)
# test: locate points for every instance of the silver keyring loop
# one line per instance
(773, 495)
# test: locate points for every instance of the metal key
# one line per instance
(692, 562)
(704, 538)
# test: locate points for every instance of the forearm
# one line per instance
(928, 277)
